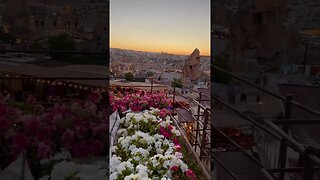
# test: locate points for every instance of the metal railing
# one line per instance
(308, 155)
(200, 134)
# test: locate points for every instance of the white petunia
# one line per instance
(178, 155)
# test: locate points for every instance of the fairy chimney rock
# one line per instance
(191, 70)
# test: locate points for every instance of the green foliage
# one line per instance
(128, 76)
(176, 83)
(218, 76)
(61, 43)
(188, 158)
(149, 73)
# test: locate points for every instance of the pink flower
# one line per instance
(191, 174)
(174, 168)
(175, 141)
(67, 138)
(177, 147)
(95, 96)
(165, 133)
(19, 143)
(162, 114)
(43, 150)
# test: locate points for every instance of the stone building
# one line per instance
(35, 20)
(258, 38)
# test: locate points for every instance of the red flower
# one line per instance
(175, 141)
(190, 174)
(95, 96)
(162, 114)
(174, 168)
(165, 133)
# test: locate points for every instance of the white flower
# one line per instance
(159, 150)
(137, 158)
(120, 167)
(129, 165)
(131, 176)
(63, 155)
(113, 149)
(114, 161)
(158, 144)
(122, 131)
(131, 147)
(141, 167)
(113, 176)
(128, 116)
(183, 167)
(178, 155)
(166, 164)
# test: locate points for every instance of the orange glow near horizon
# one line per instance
(155, 26)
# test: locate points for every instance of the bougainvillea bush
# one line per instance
(123, 99)
(147, 147)
(76, 127)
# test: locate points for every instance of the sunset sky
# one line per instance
(172, 26)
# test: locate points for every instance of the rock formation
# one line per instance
(191, 71)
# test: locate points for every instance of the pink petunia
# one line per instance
(174, 168)
(43, 150)
(175, 140)
(95, 96)
(191, 174)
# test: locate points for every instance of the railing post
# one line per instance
(283, 146)
(204, 134)
(197, 127)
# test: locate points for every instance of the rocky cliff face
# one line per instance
(191, 70)
(300, 13)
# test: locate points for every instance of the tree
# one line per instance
(128, 76)
(61, 43)
(176, 83)
(218, 76)
(149, 73)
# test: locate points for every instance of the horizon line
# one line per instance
(157, 52)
